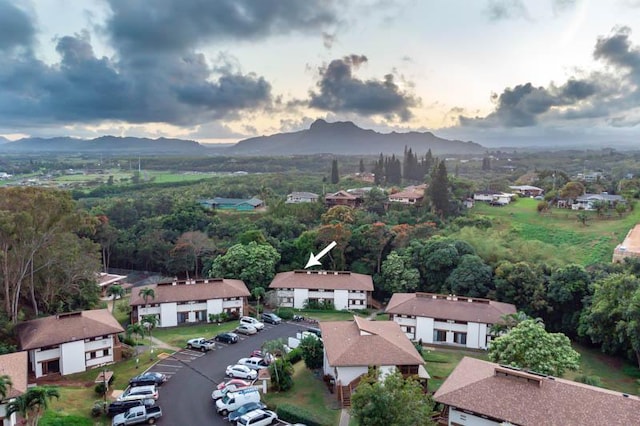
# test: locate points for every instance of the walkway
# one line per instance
(344, 417)
(157, 343)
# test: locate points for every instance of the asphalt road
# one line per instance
(185, 398)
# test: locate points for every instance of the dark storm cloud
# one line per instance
(341, 91)
(84, 88)
(165, 25)
(16, 28)
(618, 51)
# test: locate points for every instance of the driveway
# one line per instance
(186, 397)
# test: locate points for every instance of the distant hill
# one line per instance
(105, 144)
(345, 138)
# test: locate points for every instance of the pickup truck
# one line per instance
(201, 343)
(138, 415)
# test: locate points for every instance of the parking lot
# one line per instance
(192, 375)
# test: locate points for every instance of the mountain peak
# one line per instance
(321, 124)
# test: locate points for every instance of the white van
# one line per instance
(252, 321)
(234, 400)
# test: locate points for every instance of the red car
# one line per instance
(237, 382)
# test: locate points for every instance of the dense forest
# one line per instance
(53, 242)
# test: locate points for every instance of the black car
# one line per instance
(271, 318)
(226, 338)
(244, 409)
(148, 378)
(117, 407)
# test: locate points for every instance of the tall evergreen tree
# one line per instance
(378, 170)
(361, 168)
(439, 189)
(335, 175)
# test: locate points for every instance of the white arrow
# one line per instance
(315, 260)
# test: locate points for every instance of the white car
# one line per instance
(139, 392)
(246, 329)
(258, 418)
(241, 372)
(252, 321)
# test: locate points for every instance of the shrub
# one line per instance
(224, 317)
(295, 355)
(285, 313)
(589, 380)
(100, 389)
(97, 409)
(631, 371)
(295, 414)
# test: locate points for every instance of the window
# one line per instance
(460, 338)
(94, 355)
(439, 336)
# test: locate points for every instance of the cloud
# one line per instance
(16, 28)
(176, 25)
(328, 40)
(560, 6)
(498, 10)
(341, 91)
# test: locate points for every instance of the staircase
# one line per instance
(376, 305)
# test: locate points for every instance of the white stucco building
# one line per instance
(347, 290)
(13, 365)
(301, 197)
(70, 343)
(442, 319)
(351, 347)
(191, 301)
(481, 393)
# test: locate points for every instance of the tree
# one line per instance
(613, 317)
(394, 401)
(566, 290)
(361, 166)
(253, 263)
(33, 403)
(582, 217)
(193, 244)
(135, 330)
(521, 284)
(5, 386)
(397, 274)
(116, 291)
(507, 322)
(149, 322)
(471, 277)
(312, 352)
(571, 190)
(438, 190)
(335, 175)
(280, 369)
(258, 293)
(147, 293)
(528, 345)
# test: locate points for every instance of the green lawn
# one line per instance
(310, 393)
(178, 336)
(442, 361)
(588, 244)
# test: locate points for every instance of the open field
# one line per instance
(588, 244)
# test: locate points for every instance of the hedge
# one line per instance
(296, 414)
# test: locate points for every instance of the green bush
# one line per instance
(97, 409)
(295, 414)
(285, 313)
(100, 389)
(590, 380)
(631, 371)
(295, 355)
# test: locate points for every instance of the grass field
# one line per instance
(561, 228)
(310, 393)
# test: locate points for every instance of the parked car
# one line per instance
(258, 418)
(252, 321)
(226, 338)
(246, 329)
(244, 409)
(139, 392)
(201, 344)
(254, 363)
(241, 372)
(240, 382)
(234, 400)
(149, 378)
(138, 415)
(219, 393)
(117, 407)
(271, 318)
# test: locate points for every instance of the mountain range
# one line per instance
(339, 138)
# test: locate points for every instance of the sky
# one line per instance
(497, 72)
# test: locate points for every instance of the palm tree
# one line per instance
(138, 330)
(116, 291)
(147, 293)
(258, 293)
(33, 402)
(509, 321)
(149, 322)
(5, 386)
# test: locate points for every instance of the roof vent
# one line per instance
(69, 314)
(625, 395)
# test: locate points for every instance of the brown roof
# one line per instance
(15, 365)
(328, 280)
(440, 306)
(63, 328)
(523, 398)
(215, 288)
(364, 342)
(340, 195)
(407, 194)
